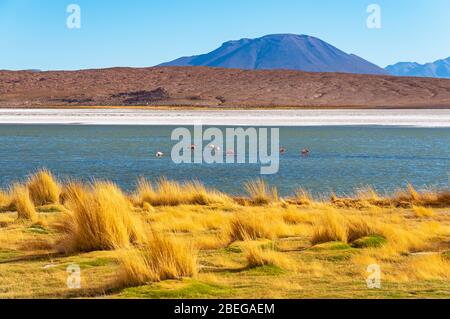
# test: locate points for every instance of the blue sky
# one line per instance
(139, 33)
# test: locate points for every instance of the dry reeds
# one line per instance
(171, 193)
(100, 218)
(367, 197)
(259, 192)
(333, 226)
(256, 256)
(330, 226)
(302, 197)
(245, 226)
(22, 203)
(422, 211)
(43, 188)
(161, 258)
(5, 201)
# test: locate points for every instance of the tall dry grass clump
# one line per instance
(171, 193)
(161, 258)
(359, 226)
(22, 203)
(367, 193)
(430, 267)
(100, 217)
(403, 239)
(44, 189)
(334, 226)
(249, 226)
(256, 256)
(260, 193)
(422, 211)
(329, 226)
(302, 197)
(403, 198)
(5, 201)
(426, 198)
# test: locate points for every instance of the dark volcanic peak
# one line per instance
(437, 69)
(281, 51)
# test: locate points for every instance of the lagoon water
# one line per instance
(342, 157)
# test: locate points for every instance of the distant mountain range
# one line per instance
(437, 69)
(303, 53)
(281, 51)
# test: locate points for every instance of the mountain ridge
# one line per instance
(436, 69)
(194, 87)
(281, 51)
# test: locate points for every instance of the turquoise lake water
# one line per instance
(342, 158)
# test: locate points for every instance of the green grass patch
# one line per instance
(369, 242)
(268, 270)
(191, 289)
(37, 229)
(8, 254)
(49, 209)
(338, 257)
(233, 249)
(333, 245)
(91, 263)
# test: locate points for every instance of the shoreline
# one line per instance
(234, 117)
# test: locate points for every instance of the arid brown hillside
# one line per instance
(201, 86)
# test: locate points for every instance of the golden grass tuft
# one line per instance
(422, 211)
(43, 188)
(22, 203)
(359, 226)
(5, 201)
(329, 226)
(367, 193)
(334, 226)
(161, 258)
(171, 193)
(368, 197)
(426, 198)
(250, 226)
(430, 267)
(256, 256)
(259, 192)
(100, 217)
(302, 197)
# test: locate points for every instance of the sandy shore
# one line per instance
(421, 118)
